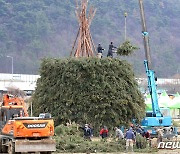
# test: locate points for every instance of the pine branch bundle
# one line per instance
(126, 49)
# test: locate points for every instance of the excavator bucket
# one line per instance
(43, 145)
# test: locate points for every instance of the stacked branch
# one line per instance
(83, 45)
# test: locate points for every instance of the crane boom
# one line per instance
(147, 63)
(145, 34)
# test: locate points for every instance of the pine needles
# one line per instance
(126, 49)
(88, 90)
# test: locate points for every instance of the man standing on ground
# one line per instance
(130, 138)
(160, 135)
(118, 133)
(104, 132)
(87, 132)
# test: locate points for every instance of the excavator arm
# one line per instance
(8, 100)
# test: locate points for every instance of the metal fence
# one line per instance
(28, 82)
(19, 77)
(161, 81)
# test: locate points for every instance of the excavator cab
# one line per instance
(9, 113)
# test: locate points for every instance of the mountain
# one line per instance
(32, 30)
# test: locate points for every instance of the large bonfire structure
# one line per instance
(83, 45)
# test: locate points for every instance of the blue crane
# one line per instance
(155, 117)
(158, 117)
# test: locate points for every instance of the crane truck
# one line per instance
(158, 117)
(20, 133)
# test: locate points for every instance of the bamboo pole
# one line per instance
(85, 46)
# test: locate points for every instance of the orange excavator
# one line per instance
(20, 133)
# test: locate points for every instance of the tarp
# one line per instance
(175, 104)
(177, 95)
(164, 100)
(148, 102)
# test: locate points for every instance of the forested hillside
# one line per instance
(33, 29)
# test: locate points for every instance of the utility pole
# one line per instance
(125, 26)
(12, 65)
(145, 34)
(31, 109)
